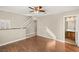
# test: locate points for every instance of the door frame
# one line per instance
(76, 39)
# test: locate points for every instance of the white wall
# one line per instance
(16, 22)
(47, 26)
(55, 23)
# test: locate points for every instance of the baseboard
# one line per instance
(51, 38)
(28, 36)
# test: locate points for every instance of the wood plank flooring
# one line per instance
(38, 44)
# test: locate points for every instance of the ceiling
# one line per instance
(24, 10)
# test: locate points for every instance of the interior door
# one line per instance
(77, 30)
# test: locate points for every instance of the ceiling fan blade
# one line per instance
(31, 11)
(31, 8)
(42, 10)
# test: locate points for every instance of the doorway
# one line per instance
(70, 28)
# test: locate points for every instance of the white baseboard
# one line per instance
(27, 36)
(52, 38)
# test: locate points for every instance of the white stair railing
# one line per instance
(28, 25)
(27, 22)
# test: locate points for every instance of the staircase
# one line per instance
(29, 25)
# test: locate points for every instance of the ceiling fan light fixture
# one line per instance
(37, 9)
(36, 12)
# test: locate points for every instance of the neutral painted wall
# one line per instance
(47, 26)
(55, 24)
(16, 22)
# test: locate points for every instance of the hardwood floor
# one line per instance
(38, 44)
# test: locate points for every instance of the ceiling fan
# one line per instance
(37, 9)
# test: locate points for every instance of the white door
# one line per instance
(77, 31)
